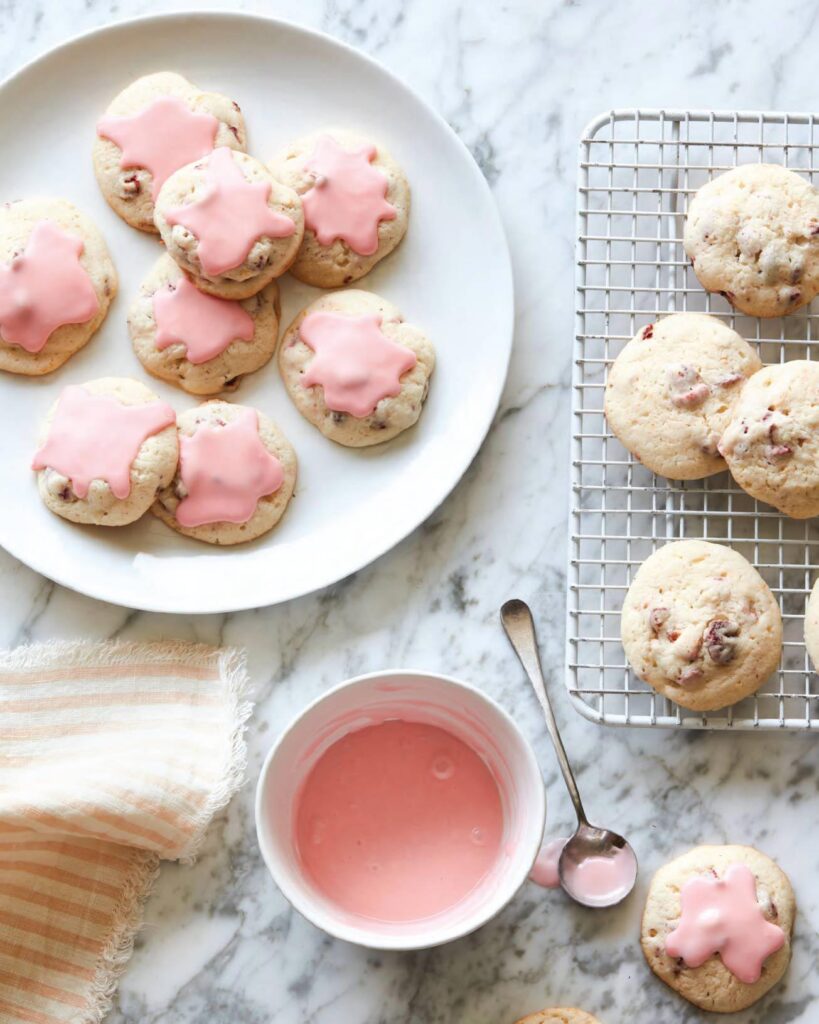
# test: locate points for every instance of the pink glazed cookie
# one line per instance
(236, 475)
(356, 204)
(355, 369)
(159, 123)
(200, 342)
(56, 284)
(110, 484)
(717, 926)
(228, 224)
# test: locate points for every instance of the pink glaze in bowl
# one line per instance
(424, 697)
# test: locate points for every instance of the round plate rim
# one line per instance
(505, 293)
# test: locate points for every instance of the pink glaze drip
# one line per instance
(545, 872)
(355, 363)
(162, 137)
(231, 216)
(398, 821)
(348, 199)
(723, 916)
(45, 287)
(97, 437)
(204, 324)
(225, 470)
(602, 878)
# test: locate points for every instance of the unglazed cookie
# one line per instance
(106, 448)
(229, 224)
(356, 204)
(700, 625)
(355, 369)
(753, 235)
(56, 284)
(812, 626)
(236, 475)
(559, 1015)
(200, 342)
(157, 125)
(717, 926)
(771, 443)
(670, 393)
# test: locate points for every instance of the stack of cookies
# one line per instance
(171, 159)
(689, 398)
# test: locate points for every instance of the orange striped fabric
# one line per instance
(112, 758)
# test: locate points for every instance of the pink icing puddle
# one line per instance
(355, 363)
(225, 470)
(97, 437)
(163, 137)
(44, 288)
(347, 201)
(723, 916)
(231, 216)
(602, 878)
(544, 871)
(204, 324)
(398, 821)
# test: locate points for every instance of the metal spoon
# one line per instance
(588, 842)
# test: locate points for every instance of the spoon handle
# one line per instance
(520, 628)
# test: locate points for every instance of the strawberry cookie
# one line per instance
(108, 484)
(752, 235)
(700, 625)
(356, 204)
(559, 1015)
(236, 475)
(670, 393)
(157, 125)
(56, 284)
(202, 343)
(717, 926)
(771, 443)
(228, 224)
(355, 369)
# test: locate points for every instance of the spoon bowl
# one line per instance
(597, 867)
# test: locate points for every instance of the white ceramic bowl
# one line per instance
(422, 697)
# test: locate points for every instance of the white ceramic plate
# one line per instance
(451, 276)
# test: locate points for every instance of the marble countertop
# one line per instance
(517, 81)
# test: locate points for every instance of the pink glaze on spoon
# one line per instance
(231, 216)
(355, 363)
(348, 199)
(225, 470)
(162, 137)
(204, 324)
(45, 287)
(97, 437)
(722, 915)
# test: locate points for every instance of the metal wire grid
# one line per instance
(637, 170)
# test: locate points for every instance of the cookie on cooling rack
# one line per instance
(670, 393)
(559, 1015)
(700, 625)
(717, 926)
(156, 125)
(752, 234)
(812, 625)
(771, 443)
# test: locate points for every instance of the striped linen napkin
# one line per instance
(112, 757)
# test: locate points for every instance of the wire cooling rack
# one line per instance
(638, 169)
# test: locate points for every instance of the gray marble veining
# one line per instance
(517, 80)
